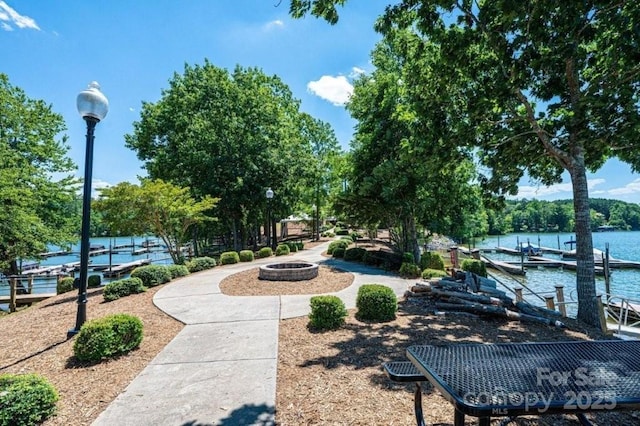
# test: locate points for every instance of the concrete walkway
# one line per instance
(221, 368)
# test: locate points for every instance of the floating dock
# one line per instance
(124, 268)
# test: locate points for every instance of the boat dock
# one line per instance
(124, 268)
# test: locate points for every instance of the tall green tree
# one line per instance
(548, 87)
(37, 192)
(230, 135)
(154, 207)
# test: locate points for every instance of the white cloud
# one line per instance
(8, 14)
(132, 109)
(630, 188)
(336, 90)
(273, 25)
(560, 188)
(356, 72)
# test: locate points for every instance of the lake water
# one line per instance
(158, 255)
(623, 245)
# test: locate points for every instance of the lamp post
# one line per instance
(269, 195)
(93, 107)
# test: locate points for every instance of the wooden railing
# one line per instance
(27, 289)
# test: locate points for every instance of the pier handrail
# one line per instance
(621, 308)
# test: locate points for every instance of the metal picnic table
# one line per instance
(513, 379)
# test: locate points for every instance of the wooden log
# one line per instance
(479, 298)
(420, 288)
(536, 310)
(410, 293)
(498, 311)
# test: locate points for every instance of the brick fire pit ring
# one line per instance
(294, 271)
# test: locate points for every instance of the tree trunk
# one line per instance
(585, 274)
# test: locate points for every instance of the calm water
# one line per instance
(158, 255)
(622, 245)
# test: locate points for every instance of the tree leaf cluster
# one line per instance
(37, 192)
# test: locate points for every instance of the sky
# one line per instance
(52, 49)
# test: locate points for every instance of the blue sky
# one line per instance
(53, 48)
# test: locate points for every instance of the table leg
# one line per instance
(417, 400)
(458, 419)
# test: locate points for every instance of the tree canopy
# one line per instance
(37, 192)
(232, 135)
(154, 207)
(537, 87)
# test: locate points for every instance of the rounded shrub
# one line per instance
(198, 264)
(408, 258)
(94, 281)
(338, 252)
(229, 258)
(376, 302)
(107, 337)
(327, 312)
(265, 252)
(337, 244)
(431, 260)
(354, 254)
(121, 288)
(246, 256)
(177, 271)
(476, 266)
(433, 273)
(26, 399)
(293, 246)
(152, 275)
(300, 245)
(64, 285)
(409, 270)
(282, 250)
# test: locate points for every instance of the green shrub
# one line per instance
(265, 252)
(370, 259)
(340, 231)
(355, 236)
(300, 245)
(431, 260)
(376, 302)
(409, 270)
(107, 337)
(26, 399)
(354, 254)
(229, 258)
(476, 266)
(64, 285)
(198, 264)
(246, 256)
(94, 281)
(282, 250)
(152, 275)
(328, 234)
(177, 271)
(337, 244)
(433, 273)
(408, 257)
(293, 246)
(121, 288)
(327, 313)
(338, 252)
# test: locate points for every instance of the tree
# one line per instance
(38, 209)
(154, 207)
(230, 136)
(547, 86)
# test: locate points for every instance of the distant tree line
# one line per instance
(558, 216)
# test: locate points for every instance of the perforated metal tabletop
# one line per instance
(533, 378)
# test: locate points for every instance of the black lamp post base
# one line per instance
(72, 332)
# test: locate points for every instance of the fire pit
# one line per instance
(295, 271)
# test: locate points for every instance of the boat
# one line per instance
(605, 228)
(598, 255)
(529, 249)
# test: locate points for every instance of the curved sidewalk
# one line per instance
(221, 368)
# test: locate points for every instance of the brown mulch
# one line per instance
(323, 378)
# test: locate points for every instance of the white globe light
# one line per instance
(92, 102)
